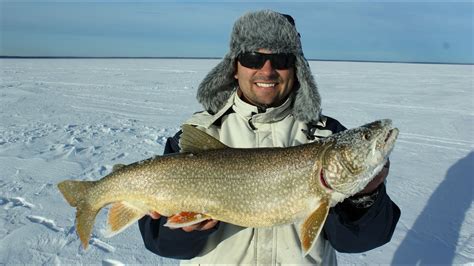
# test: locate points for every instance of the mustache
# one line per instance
(270, 79)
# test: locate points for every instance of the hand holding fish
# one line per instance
(377, 181)
(154, 215)
(202, 226)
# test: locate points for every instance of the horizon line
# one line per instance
(211, 57)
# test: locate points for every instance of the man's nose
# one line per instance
(267, 68)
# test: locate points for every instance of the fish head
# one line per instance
(356, 155)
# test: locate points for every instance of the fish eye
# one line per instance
(366, 136)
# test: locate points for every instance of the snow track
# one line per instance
(436, 142)
(75, 119)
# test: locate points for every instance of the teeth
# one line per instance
(266, 85)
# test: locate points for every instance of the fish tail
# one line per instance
(75, 192)
(85, 217)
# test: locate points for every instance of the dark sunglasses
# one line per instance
(256, 60)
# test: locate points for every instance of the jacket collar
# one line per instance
(272, 114)
(245, 110)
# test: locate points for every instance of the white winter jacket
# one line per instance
(240, 125)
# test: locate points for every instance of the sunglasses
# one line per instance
(256, 60)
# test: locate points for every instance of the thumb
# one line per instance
(154, 215)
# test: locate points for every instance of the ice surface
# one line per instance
(75, 119)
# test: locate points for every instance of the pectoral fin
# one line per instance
(313, 225)
(122, 215)
(183, 219)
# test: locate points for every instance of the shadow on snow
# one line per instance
(435, 233)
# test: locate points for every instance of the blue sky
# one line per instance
(423, 31)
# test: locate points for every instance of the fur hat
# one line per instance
(256, 30)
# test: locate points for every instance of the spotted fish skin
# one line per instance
(257, 187)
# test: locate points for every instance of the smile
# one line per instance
(265, 85)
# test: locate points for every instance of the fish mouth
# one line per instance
(392, 133)
(391, 136)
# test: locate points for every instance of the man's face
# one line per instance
(267, 86)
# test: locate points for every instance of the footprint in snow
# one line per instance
(110, 262)
(102, 245)
(46, 222)
(15, 202)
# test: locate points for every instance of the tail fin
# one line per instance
(75, 192)
(85, 217)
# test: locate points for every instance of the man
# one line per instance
(263, 94)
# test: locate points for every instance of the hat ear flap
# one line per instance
(307, 105)
(218, 85)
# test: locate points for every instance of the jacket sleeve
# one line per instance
(352, 230)
(166, 242)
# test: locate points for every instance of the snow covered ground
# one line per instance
(76, 118)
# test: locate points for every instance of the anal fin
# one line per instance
(313, 225)
(183, 219)
(122, 215)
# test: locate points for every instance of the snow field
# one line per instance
(76, 118)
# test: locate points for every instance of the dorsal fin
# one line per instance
(194, 140)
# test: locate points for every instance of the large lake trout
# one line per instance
(257, 187)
